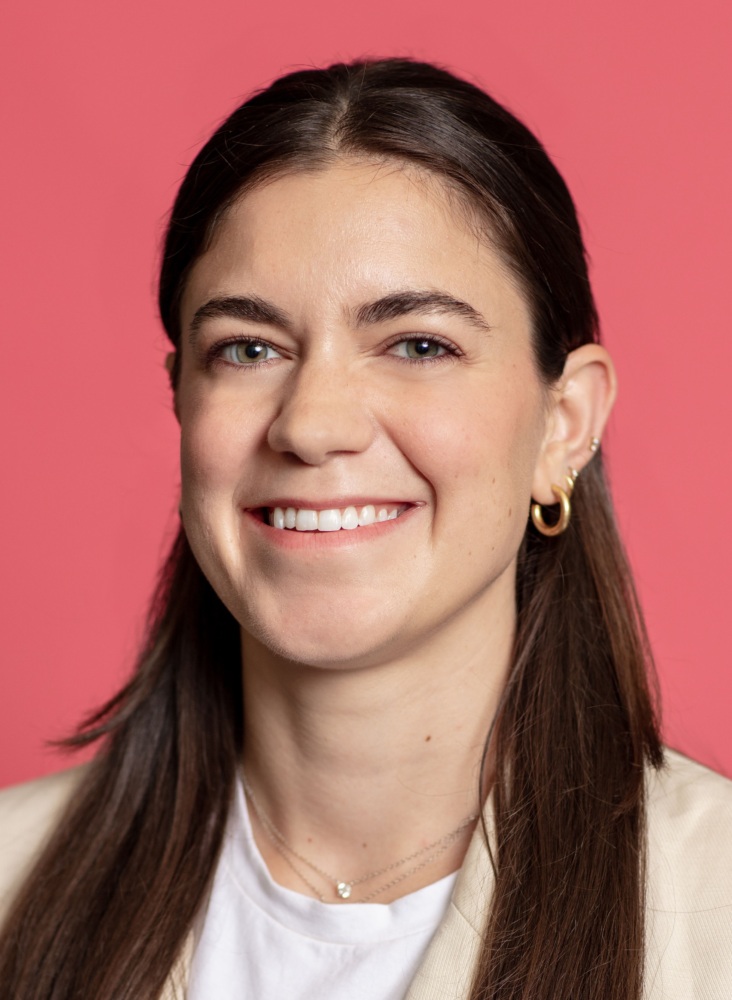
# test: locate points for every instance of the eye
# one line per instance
(420, 348)
(248, 352)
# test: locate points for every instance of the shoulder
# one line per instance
(690, 810)
(28, 815)
(689, 904)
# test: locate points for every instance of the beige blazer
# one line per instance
(689, 913)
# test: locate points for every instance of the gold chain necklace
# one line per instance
(341, 887)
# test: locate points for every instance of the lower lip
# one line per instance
(290, 538)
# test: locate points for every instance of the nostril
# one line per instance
(317, 420)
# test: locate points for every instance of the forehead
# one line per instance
(347, 232)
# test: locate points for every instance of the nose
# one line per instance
(323, 413)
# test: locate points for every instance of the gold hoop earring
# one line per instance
(565, 511)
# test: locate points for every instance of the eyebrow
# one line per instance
(254, 309)
(420, 303)
(245, 307)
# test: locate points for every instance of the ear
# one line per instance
(580, 404)
(171, 359)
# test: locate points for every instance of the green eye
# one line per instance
(422, 347)
(248, 352)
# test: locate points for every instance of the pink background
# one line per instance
(106, 103)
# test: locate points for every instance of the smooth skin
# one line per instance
(373, 659)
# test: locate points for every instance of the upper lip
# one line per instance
(333, 503)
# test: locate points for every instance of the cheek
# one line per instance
(214, 453)
(481, 448)
(215, 444)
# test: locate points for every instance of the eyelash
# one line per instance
(451, 351)
(214, 355)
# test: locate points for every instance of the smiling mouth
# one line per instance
(334, 519)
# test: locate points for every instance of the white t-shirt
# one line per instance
(260, 941)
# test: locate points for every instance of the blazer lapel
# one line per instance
(177, 981)
(446, 972)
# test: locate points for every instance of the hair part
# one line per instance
(576, 725)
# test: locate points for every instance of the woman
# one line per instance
(397, 600)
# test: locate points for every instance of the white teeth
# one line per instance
(367, 515)
(348, 518)
(329, 520)
(306, 520)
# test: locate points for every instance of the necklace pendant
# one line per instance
(343, 889)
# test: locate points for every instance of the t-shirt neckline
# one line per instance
(355, 923)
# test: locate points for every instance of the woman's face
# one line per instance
(350, 347)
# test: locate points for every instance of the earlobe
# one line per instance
(581, 404)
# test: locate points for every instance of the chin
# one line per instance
(317, 625)
(327, 643)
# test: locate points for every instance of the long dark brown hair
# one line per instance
(110, 902)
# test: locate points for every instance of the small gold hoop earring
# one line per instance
(565, 511)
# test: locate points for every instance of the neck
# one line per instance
(358, 767)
